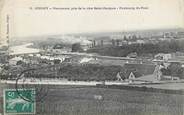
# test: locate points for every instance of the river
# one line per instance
(23, 49)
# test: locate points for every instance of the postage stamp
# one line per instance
(14, 104)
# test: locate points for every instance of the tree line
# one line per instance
(140, 49)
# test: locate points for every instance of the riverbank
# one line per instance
(23, 49)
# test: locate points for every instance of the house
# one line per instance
(134, 71)
(169, 78)
(59, 48)
(141, 42)
(180, 34)
(14, 60)
(163, 56)
(127, 75)
(132, 55)
(131, 76)
(118, 76)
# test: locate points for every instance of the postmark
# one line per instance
(14, 104)
(27, 80)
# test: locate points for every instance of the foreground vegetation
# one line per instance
(97, 72)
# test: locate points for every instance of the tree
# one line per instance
(113, 42)
(19, 62)
(57, 61)
(101, 42)
(117, 42)
(175, 69)
(134, 37)
(124, 38)
(165, 71)
(76, 47)
(94, 43)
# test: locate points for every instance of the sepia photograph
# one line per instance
(92, 57)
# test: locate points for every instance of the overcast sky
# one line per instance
(25, 22)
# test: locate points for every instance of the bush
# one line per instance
(89, 72)
(175, 70)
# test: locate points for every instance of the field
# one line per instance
(82, 100)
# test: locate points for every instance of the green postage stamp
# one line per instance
(21, 101)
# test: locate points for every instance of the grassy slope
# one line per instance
(69, 100)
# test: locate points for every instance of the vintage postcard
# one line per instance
(92, 57)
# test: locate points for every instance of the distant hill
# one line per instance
(143, 33)
(84, 37)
